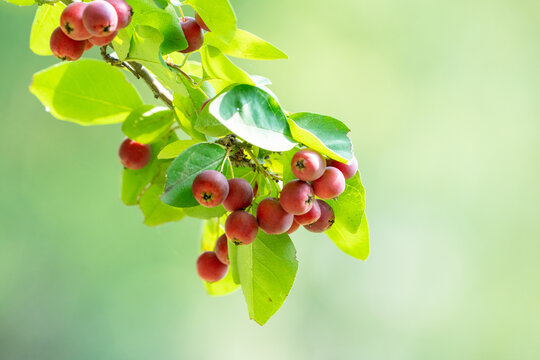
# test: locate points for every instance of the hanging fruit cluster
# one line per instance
(83, 25)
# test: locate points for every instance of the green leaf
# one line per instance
(201, 212)
(354, 244)
(148, 123)
(323, 134)
(156, 212)
(185, 168)
(218, 15)
(174, 149)
(134, 182)
(161, 16)
(144, 49)
(350, 231)
(349, 206)
(22, 2)
(166, 21)
(287, 160)
(145, 44)
(246, 46)
(186, 110)
(255, 116)
(207, 123)
(218, 66)
(87, 92)
(211, 231)
(233, 258)
(267, 268)
(46, 20)
(122, 42)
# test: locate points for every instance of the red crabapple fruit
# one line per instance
(348, 170)
(222, 249)
(272, 219)
(297, 197)
(123, 11)
(134, 155)
(193, 33)
(100, 18)
(210, 188)
(88, 45)
(71, 21)
(326, 220)
(103, 40)
(293, 227)
(201, 22)
(64, 47)
(209, 267)
(241, 227)
(240, 195)
(308, 165)
(311, 216)
(330, 185)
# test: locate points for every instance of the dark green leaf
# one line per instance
(267, 268)
(185, 168)
(253, 115)
(323, 134)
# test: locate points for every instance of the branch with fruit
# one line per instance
(222, 149)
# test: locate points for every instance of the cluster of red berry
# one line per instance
(83, 25)
(295, 207)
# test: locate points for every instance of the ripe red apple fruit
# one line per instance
(209, 267)
(210, 188)
(134, 155)
(241, 227)
(308, 165)
(222, 249)
(348, 170)
(240, 195)
(71, 21)
(326, 220)
(330, 185)
(100, 18)
(64, 47)
(272, 219)
(193, 33)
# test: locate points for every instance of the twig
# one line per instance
(140, 72)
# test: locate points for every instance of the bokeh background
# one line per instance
(443, 101)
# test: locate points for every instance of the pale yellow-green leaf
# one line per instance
(47, 19)
(246, 46)
(174, 149)
(87, 92)
(217, 66)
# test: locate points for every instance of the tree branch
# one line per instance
(140, 72)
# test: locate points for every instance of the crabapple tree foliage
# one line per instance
(216, 144)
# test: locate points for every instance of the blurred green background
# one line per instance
(443, 101)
